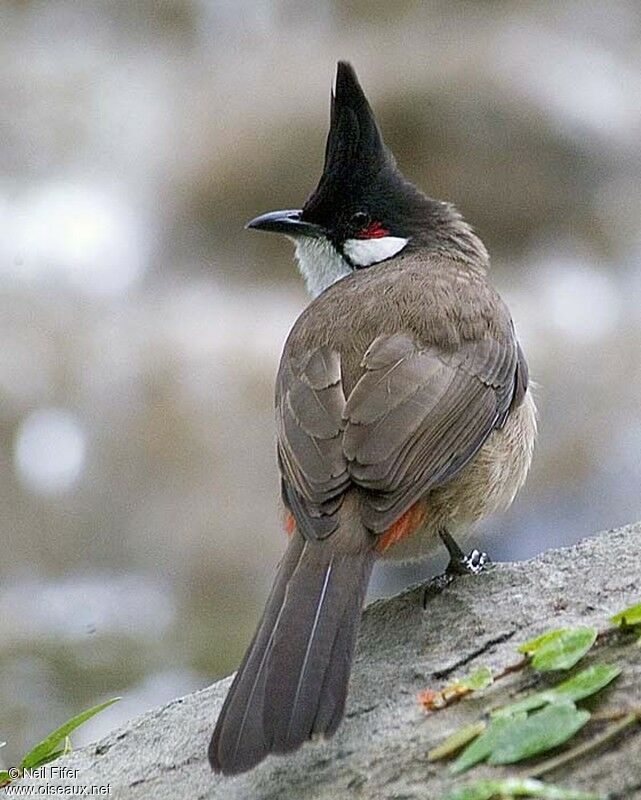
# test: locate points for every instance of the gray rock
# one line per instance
(380, 750)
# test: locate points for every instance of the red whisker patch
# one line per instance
(374, 230)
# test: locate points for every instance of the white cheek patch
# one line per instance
(365, 252)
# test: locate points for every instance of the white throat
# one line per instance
(322, 265)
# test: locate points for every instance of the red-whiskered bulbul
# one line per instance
(403, 417)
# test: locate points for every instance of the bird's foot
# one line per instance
(459, 564)
(471, 564)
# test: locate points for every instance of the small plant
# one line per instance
(516, 787)
(539, 722)
(53, 746)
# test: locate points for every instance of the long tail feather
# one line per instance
(293, 681)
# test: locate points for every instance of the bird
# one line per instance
(404, 416)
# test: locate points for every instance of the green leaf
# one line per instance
(510, 739)
(516, 787)
(527, 648)
(49, 758)
(481, 748)
(538, 733)
(480, 679)
(5, 778)
(560, 649)
(587, 682)
(628, 617)
(456, 741)
(48, 746)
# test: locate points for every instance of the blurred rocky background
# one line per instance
(141, 325)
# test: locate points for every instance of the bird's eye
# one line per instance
(360, 219)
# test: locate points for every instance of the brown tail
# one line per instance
(293, 681)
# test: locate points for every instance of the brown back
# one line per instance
(389, 383)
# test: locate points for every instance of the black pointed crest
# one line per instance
(355, 154)
(354, 137)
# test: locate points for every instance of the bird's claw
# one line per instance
(459, 564)
(471, 564)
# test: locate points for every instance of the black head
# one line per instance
(361, 193)
(363, 206)
(360, 190)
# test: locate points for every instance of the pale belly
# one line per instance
(488, 484)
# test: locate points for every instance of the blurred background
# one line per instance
(141, 325)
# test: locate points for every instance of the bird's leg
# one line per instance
(459, 564)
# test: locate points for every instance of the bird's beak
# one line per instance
(287, 222)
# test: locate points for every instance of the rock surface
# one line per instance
(380, 750)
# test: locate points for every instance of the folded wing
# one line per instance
(415, 417)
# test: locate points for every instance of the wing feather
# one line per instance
(416, 416)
